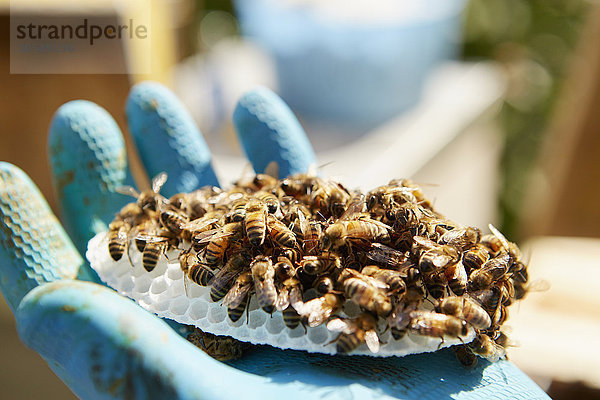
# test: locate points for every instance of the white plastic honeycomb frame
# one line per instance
(163, 292)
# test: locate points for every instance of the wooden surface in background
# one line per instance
(563, 198)
(557, 329)
(28, 103)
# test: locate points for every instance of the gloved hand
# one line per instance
(103, 345)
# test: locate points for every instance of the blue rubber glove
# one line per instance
(103, 345)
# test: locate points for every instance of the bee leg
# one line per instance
(328, 343)
(441, 343)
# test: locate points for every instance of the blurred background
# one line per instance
(491, 105)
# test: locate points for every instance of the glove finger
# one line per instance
(35, 248)
(269, 131)
(168, 139)
(88, 161)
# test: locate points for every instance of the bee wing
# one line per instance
(150, 239)
(387, 255)
(283, 299)
(499, 235)
(372, 340)
(213, 234)
(199, 223)
(339, 325)
(127, 191)
(539, 285)
(225, 275)
(380, 224)
(272, 169)
(296, 298)
(236, 295)
(158, 182)
(304, 224)
(354, 209)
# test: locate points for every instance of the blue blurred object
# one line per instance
(347, 72)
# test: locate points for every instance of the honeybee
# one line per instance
(355, 232)
(223, 280)
(148, 200)
(457, 278)
(393, 279)
(193, 204)
(237, 297)
(220, 240)
(198, 272)
(323, 284)
(435, 284)
(489, 298)
(148, 227)
(173, 220)
(311, 234)
(257, 182)
(155, 246)
(475, 257)
(493, 269)
(238, 209)
(433, 256)
(511, 248)
(289, 298)
(400, 318)
(118, 235)
(465, 356)
(383, 254)
(354, 332)
(319, 309)
(369, 293)
(270, 200)
(298, 186)
(466, 309)
(222, 348)
(280, 233)
(485, 347)
(293, 255)
(329, 197)
(263, 275)
(256, 221)
(321, 264)
(429, 323)
(461, 238)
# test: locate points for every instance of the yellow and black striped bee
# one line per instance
(289, 298)
(196, 271)
(466, 309)
(369, 293)
(270, 200)
(263, 275)
(354, 332)
(149, 200)
(118, 236)
(224, 278)
(219, 240)
(255, 222)
(326, 262)
(280, 233)
(493, 270)
(236, 299)
(156, 245)
(429, 323)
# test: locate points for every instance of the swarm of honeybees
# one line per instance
(307, 247)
